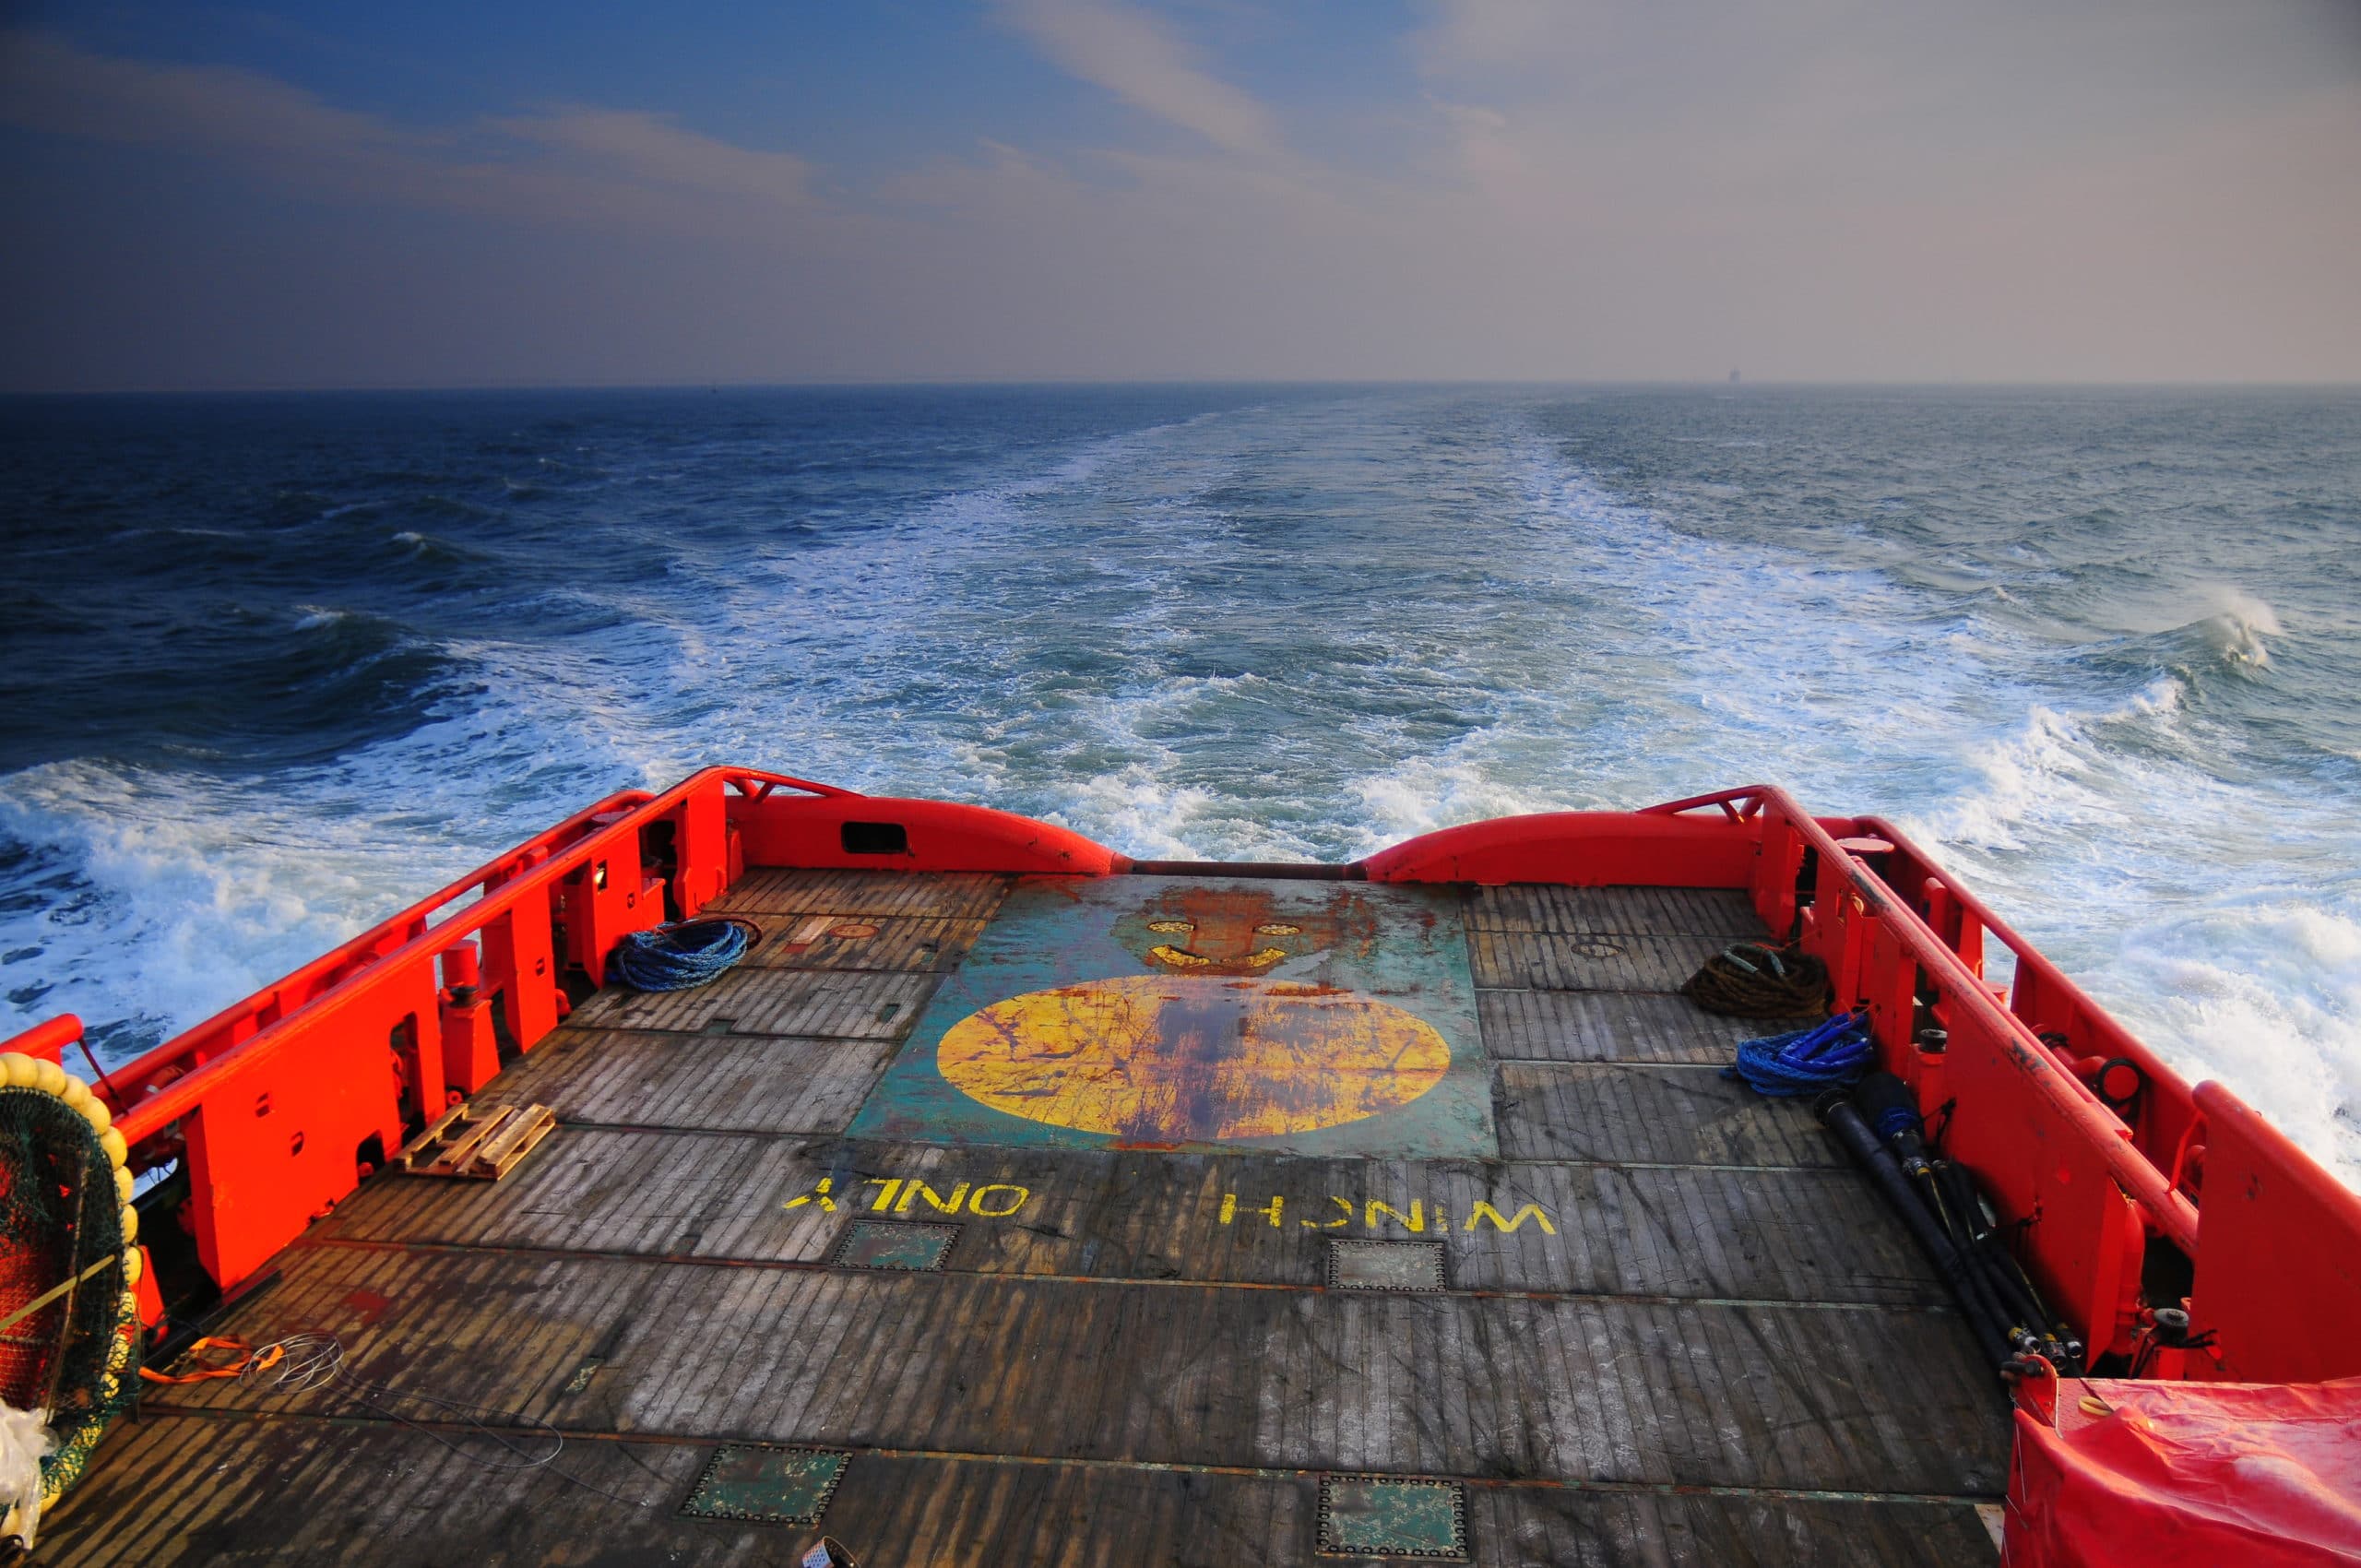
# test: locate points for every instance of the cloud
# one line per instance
(1133, 55)
(650, 149)
(573, 165)
(48, 85)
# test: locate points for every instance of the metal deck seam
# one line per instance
(1260, 1472)
(825, 1265)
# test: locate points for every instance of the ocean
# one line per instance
(279, 665)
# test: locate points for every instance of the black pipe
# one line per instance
(2003, 1276)
(1837, 1113)
(1947, 1192)
(1892, 1109)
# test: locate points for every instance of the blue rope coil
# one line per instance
(675, 957)
(1825, 1056)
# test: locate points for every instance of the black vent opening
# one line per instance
(874, 838)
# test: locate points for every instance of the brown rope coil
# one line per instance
(1750, 979)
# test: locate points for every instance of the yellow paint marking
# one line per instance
(1486, 1211)
(1174, 1059)
(916, 1188)
(976, 1204)
(896, 1195)
(818, 1194)
(1420, 1217)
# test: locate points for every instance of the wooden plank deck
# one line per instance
(1673, 1328)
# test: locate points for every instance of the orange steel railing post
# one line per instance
(469, 1056)
(702, 840)
(603, 900)
(520, 969)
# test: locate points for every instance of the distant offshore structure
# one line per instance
(1734, 378)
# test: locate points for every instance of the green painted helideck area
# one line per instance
(1325, 1018)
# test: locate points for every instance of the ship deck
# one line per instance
(771, 1264)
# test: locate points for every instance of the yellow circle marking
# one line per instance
(1175, 1059)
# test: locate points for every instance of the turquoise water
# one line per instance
(279, 666)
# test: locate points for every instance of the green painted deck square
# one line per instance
(1183, 1013)
(1380, 1516)
(871, 1244)
(1385, 1266)
(766, 1486)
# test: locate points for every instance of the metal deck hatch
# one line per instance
(1386, 1517)
(766, 1486)
(1385, 1265)
(871, 1243)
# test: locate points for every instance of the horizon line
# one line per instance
(1175, 382)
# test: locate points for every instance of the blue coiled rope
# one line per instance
(1824, 1056)
(674, 957)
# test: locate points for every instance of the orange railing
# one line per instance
(2091, 1207)
(2053, 1157)
(2145, 1095)
(279, 1103)
(2275, 1255)
(276, 1105)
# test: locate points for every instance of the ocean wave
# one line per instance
(1290, 625)
(2058, 767)
(2265, 993)
(176, 896)
(2236, 630)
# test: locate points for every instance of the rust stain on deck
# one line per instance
(1176, 1060)
(1229, 928)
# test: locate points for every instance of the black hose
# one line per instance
(1837, 1113)
(2032, 1326)
(1891, 1109)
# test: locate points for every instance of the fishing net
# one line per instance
(62, 1245)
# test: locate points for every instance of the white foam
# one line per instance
(2264, 994)
(1427, 793)
(191, 900)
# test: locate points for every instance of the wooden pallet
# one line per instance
(477, 1145)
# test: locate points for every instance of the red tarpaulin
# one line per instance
(2258, 1474)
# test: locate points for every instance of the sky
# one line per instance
(445, 193)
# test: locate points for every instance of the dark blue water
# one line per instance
(277, 666)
